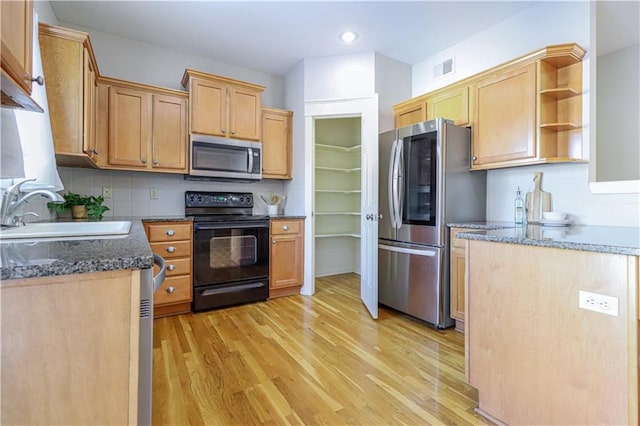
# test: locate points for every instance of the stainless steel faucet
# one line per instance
(11, 202)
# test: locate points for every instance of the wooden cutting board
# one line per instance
(538, 201)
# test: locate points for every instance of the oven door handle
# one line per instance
(230, 225)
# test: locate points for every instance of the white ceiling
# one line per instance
(272, 36)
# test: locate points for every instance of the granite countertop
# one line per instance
(43, 258)
(601, 239)
(481, 225)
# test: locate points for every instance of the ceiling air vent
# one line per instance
(443, 68)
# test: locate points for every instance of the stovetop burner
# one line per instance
(205, 206)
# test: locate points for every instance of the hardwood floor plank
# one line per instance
(319, 360)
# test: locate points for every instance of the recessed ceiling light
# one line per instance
(349, 37)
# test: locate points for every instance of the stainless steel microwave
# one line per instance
(224, 159)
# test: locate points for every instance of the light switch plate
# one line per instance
(153, 193)
(598, 303)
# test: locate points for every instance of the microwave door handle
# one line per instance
(250, 170)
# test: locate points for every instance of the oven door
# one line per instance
(227, 252)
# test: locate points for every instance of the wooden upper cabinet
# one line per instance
(71, 72)
(145, 127)
(223, 107)
(452, 104)
(504, 125)
(129, 127)
(526, 111)
(277, 144)
(208, 107)
(17, 46)
(410, 112)
(169, 127)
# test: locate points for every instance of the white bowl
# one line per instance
(555, 216)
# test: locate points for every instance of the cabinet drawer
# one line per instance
(280, 227)
(173, 290)
(175, 267)
(169, 232)
(455, 241)
(172, 249)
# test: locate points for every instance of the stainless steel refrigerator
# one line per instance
(425, 183)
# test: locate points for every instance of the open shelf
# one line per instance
(559, 126)
(338, 169)
(560, 93)
(335, 148)
(352, 235)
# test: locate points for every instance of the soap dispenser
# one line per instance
(519, 208)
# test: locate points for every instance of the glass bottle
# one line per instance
(519, 208)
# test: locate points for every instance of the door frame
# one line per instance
(367, 109)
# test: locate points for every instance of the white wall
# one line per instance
(542, 24)
(339, 77)
(393, 85)
(618, 109)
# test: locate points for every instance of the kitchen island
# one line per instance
(552, 324)
(70, 328)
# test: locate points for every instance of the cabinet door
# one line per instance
(457, 283)
(169, 133)
(452, 104)
(276, 145)
(17, 36)
(411, 114)
(244, 113)
(286, 261)
(62, 62)
(129, 127)
(208, 107)
(505, 117)
(89, 102)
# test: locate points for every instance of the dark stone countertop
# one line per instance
(601, 239)
(42, 258)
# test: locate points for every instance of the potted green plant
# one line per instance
(81, 206)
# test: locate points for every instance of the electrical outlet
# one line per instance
(153, 193)
(598, 303)
(107, 192)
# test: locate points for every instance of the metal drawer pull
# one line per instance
(170, 232)
(274, 241)
(171, 249)
(171, 289)
(171, 267)
(285, 228)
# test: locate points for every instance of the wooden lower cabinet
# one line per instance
(286, 257)
(70, 349)
(533, 354)
(172, 241)
(457, 268)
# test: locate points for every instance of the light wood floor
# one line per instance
(308, 360)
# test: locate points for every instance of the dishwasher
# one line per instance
(148, 285)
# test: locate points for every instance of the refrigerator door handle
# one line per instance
(400, 186)
(420, 252)
(392, 184)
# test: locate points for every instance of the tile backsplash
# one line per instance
(131, 190)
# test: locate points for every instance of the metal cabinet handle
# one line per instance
(38, 80)
(224, 130)
(233, 132)
(273, 242)
(171, 267)
(170, 232)
(474, 158)
(285, 228)
(171, 289)
(171, 249)
(155, 162)
(144, 161)
(94, 151)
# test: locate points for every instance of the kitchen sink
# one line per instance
(67, 230)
